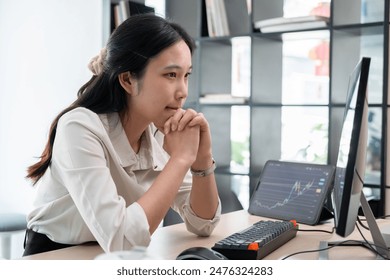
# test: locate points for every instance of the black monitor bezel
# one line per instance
(343, 215)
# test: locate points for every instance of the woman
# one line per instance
(120, 155)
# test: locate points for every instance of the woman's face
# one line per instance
(164, 86)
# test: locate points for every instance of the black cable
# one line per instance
(304, 252)
(364, 244)
(310, 251)
(370, 246)
(317, 230)
(361, 223)
(364, 226)
(323, 249)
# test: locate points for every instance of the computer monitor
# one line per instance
(347, 194)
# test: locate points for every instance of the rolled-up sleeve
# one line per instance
(194, 224)
(198, 225)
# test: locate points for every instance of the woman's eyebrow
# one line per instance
(175, 66)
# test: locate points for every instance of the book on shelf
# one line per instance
(121, 12)
(124, 9)
(225, 18)
(217, 24)
(223, 26)
(238, 17)
(222, 98)
(282, 24)
(210, 14)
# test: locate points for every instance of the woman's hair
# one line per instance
(129, 49)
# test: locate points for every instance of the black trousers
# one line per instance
(35, 243)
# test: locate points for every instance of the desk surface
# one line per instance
(168, 242)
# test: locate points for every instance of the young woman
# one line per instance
(124, 151)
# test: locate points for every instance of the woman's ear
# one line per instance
(126, 82)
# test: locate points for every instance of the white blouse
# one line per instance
(89, 193)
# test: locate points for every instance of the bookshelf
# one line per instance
(292, 85)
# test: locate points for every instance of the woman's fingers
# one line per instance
(186, 118)
(198, 119)
(179, 120)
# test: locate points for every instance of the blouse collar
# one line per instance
(151, 153)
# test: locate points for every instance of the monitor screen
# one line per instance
(351, 161)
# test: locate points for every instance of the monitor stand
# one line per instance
(381, 240)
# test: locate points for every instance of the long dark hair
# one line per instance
(129, 48)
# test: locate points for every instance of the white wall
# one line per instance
(45, 46)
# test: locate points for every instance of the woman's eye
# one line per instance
(188, 74)
(171, 75)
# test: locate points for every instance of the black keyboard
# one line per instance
(257, 241)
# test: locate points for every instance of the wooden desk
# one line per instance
(168, 242)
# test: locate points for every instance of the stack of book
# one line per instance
(284, 24)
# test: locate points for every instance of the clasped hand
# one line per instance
(187, 136)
